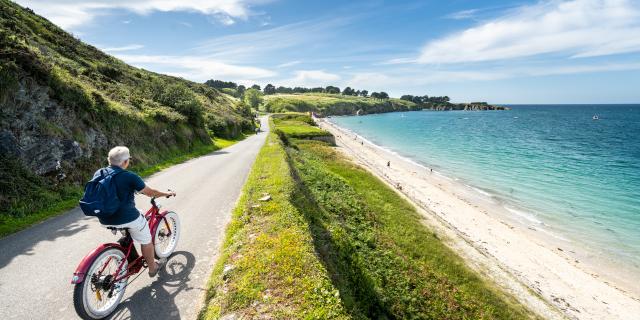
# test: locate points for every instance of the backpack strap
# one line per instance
(113, 174)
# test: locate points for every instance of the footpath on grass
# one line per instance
(316, 236)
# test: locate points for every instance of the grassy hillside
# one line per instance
(64, 103)
(333, 104)
(336, 242)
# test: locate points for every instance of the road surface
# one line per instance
(36, 265)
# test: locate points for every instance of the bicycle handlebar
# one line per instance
(153, 199)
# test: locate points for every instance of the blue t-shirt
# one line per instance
(127, 183)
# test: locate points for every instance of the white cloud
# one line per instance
(577, 28)
(464, 14)
(73, 13)
(197, 68)
(289, 64)
(311, 78)
(258, 44)
(124, 48)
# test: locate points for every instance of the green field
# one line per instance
(337, 242)
(333, 104)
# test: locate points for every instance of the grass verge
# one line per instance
(63, 200)
(333, 227)
(268, 265)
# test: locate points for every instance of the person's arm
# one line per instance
(150, 192)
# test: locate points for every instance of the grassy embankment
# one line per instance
(64, 103)
(336, 242)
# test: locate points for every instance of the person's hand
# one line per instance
(171, 194)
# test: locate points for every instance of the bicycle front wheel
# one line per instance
(167, 235)
(98, 296)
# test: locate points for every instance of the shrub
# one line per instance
(8, 80)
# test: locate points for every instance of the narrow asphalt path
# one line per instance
(36, 265)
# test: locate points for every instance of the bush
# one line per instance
(8, 80)
(183, 100)
(109, 71)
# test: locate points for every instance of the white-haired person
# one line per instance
(127, 216)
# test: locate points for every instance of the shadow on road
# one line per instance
(157, 300)
(22, 243)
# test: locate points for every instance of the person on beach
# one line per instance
(388, 164)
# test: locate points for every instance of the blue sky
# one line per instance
(577, 51)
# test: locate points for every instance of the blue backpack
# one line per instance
(100, 197)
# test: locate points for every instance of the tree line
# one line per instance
(348, 91)
(425, 99)
(271, 89)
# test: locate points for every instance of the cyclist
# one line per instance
(127, 216)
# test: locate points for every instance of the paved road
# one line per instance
(36, 264)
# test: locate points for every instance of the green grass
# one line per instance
(385, 262)
(298, 125)
(275, 271)
(333, 104)
(44, 204)
(337, 242)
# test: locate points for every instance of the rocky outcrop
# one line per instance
(42, 134)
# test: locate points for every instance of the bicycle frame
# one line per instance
(154, 218)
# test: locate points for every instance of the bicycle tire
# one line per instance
(80, 289)
(174, 224)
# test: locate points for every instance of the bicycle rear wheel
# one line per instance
(97, 296)
(167, 235)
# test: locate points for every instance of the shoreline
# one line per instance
(548, 279)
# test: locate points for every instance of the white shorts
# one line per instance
(138, 229)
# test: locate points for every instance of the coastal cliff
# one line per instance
(334, 104)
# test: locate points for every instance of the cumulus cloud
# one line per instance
(73, 13)
(577, 28)
(196, 68)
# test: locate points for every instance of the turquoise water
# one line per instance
(549, 165)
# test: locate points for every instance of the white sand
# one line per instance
(545, 277)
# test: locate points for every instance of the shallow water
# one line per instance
(549, 165)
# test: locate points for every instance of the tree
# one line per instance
(348, 91)
(407, 97)
(317, 89)
(240, 91)
(384, 95)
(364, 93)
(375, 95)
(282, 89)
(252, 98)
(219, 84)
(332, 89)
(255, 86)
(269, 89)
(301, 90)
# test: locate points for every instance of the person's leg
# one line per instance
(148, 252)
(140, 232)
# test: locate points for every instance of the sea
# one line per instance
(554, 167)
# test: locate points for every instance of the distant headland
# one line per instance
(331, 100)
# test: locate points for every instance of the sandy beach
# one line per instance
(540, 271)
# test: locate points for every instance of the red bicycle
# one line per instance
(103, 275)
